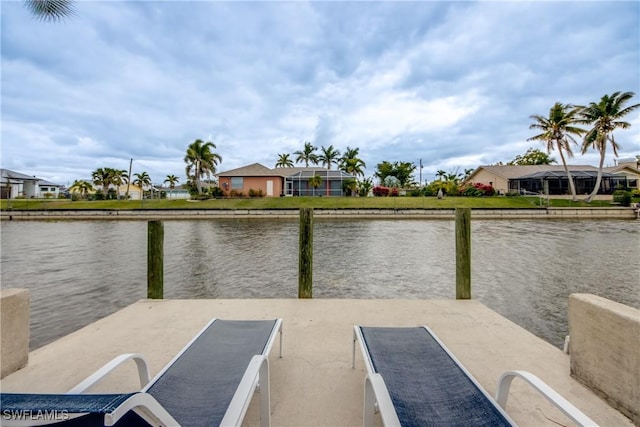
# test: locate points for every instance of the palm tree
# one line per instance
(81, 186)
(315, 182)
(365, 186)
(119, 177)
(351, 163)
(441, 173)
(284, 161)
(50, 10)
(307, 155)
(142, 179)
(103, 177)
(353, 166)
(557, 131)
(201, 160)
(328, 156)
(172, 180)
(605, 118)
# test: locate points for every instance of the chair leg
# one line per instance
(265, 394)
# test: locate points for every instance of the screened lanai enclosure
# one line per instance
(330, 183)
(556, 182)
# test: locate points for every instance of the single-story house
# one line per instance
(294, 181)
(552, 179)
(135, 192)
(15, 184)
(179, 192)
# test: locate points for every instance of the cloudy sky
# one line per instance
(452, 83)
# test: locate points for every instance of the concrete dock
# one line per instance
(313, 384)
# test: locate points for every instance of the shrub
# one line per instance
(236, 193)
(622, 197)
(380, 191)
(216, 192)
(477, 190)
(256, 193)
(394, 192)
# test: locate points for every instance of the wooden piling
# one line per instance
(155, 260)
(305, 264)
(463, 253)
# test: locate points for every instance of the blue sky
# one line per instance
(451, 83)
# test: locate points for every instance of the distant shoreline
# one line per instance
(347, 213)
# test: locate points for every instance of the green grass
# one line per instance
(300, 202)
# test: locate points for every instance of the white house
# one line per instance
(16, 184)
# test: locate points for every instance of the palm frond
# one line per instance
(51, 10)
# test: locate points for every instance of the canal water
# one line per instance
(81, 271)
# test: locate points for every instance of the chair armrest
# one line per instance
(376, 396)
(504, 384)
(143, 372)
(255, 378)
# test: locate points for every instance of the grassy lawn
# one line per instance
(299, 202)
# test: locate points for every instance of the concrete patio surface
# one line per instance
(314, 384)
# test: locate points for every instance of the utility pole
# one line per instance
(420, 173)
(126, 195)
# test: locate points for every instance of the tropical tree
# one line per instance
(142, 179)
(328, 156)
(441, 174)
(467, 173)
(284, 161)
(50, 10)
(365, 186)
(605, 117)
(307, 155)
(315, 182)
(557, 133)
(81, 186)
(353, 166)
(172, 180)
(351, 163)
(400, 170)
(103, 177)
(533, 156)
(201, 161)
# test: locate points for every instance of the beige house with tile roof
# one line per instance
(551, 179)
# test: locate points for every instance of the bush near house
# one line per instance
(622, 197)
(380, 191)
(477, 190)
(256, 193)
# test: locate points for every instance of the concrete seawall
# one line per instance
(533, 213)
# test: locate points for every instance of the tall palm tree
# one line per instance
(284, 161)
(50, 10)
(557, 133)
(201, 161)
(307, 155)
(605, 118)
(119, 177)
(328, 156)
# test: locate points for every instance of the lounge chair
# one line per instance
(210, 382)
(414, 380)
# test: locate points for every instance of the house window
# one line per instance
(237, 183)
(44, 188)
